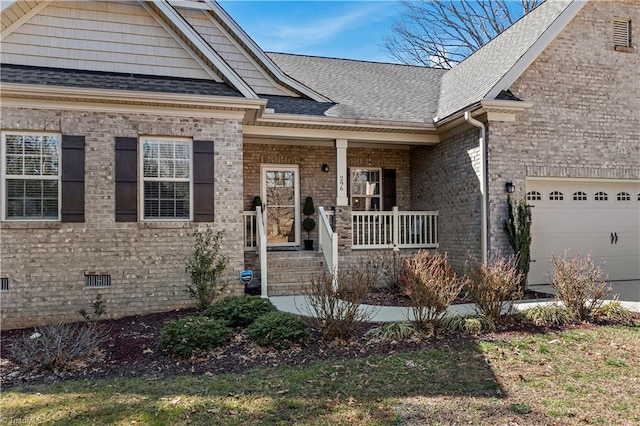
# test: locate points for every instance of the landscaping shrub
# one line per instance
(239, 311)
(337, 308)
(205, 268)
(475, 324)
(99, 309)
(390, 268)
(278, 329)
(56, 346)
(392, 331)
(613, 311)
(183, 336)
(494, 287)
(431, 284)
(579, 284)
(518, 229)
(547, 315)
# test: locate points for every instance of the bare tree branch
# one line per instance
(441, 33)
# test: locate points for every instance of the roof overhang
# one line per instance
(289, 126)
(85, 99)
(491, 110)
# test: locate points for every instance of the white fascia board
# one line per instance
(24, 18)
(188, 4)
(11, 90)
(523, 63)
(234, 79)
(311, 120)
(350, 135)
(259, 53)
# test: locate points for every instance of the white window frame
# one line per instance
(352, 195)
(142, 179)
(3, 172)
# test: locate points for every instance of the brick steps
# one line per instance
(290, 272)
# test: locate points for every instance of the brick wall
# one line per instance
(46, 262)
(444, 177)
(313, 181)
(584, 122)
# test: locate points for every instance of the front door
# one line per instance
(281, 198)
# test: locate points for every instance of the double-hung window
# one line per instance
(167, 178)
(31, 165)
(366, 189)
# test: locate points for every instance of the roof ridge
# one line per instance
(355, 60)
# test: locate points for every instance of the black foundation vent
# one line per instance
(4, 284)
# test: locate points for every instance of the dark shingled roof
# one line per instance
(289, 105)
(23, 74)
(368, 90)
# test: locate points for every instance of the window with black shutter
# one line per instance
(73, 171)
(126, 178)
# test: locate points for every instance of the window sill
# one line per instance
(30, 225)
(625, 49)
(167, 225)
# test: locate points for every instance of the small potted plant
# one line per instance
(308, 224)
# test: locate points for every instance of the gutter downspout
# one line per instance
(483, 181)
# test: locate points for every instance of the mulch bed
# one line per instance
(132, 350)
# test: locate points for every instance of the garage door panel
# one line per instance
(586, 226)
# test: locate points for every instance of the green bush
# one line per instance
(613, 312)
(393, 331)
(183, 336)
(239, 311)
(278, 329)
(206, 267)
(548, 315)
(475, 324)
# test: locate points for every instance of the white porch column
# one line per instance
(341, 173)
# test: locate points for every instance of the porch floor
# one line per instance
(629, 292)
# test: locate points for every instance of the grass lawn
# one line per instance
(580, 376)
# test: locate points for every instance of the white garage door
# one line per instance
(601, 218)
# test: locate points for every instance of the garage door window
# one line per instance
(579, 196)
(601, 196)
(556, 196)
(623, 196)
(536, 196)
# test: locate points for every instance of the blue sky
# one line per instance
(339, 29)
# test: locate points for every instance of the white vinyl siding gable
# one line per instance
(99, 36)
(241, 62)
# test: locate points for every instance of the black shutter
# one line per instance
(348, 186)
(388, 189)
(72, 179)
(203, 181)
(126, 179)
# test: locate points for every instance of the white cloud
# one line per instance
(289, 37)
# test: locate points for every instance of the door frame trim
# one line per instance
(263, 193)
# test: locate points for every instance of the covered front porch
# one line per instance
(359, 231)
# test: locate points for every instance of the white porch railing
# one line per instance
(250, 231)
(395, 229)
(328, 242)
(261, 244)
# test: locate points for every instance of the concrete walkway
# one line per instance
(629, 292)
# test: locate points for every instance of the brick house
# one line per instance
(127, 126)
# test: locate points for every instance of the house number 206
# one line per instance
(341, 180)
